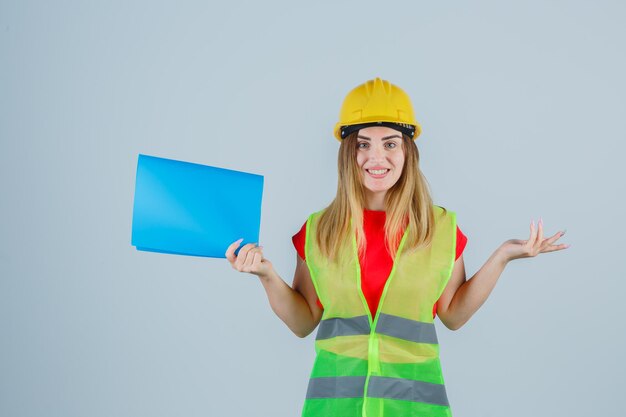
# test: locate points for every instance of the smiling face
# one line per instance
(380, 157)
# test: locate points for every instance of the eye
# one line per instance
(392, 143)
(361, 143)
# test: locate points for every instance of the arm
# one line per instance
(461, 299)
(297, 306)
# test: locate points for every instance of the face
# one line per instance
(379, 148)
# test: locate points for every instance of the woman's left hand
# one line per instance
(536, 244)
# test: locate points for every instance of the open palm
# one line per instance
(534, 245)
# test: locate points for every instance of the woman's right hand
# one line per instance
(250, 259)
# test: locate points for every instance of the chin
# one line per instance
(377, 190)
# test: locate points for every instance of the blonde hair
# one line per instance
(408, 201)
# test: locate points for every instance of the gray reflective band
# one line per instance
(414, 331)
(408, 390)
(411, 330)
(336, 387)
(379, 387)
(343, 327)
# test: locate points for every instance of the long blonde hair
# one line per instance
(408, 201)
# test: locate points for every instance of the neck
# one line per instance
(375, 201)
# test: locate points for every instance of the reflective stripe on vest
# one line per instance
(343, 327)
(381, 387)
(387, 365)
(411, 330)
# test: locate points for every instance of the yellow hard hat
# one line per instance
(377, 103)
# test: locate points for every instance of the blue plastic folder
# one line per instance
(183, 208)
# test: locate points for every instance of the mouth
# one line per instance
(377, 173)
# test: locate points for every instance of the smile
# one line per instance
(377, 173)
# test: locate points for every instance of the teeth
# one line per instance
(377, 171)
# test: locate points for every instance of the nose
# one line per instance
(377, 153)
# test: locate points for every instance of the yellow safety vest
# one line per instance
(388, 365)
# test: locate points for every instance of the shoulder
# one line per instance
(299, 238)
(460, 236)
(444, 212)
(314, 217)
(317, 213)
(302, 232)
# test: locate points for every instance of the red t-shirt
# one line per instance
(376, 266)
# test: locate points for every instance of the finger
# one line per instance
(553, 248)
(243, 253)
(533, 235)
(230, 252)
(250, 257)
(253, 260)
(258, 258)
(552, 238)
(539, 241)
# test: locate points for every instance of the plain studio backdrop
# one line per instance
(522, 108)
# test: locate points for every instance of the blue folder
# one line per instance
(183, 208)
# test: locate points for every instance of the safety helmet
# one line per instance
(377, 103)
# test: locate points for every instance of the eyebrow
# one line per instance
(385, 138)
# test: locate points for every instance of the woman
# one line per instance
(375, 266)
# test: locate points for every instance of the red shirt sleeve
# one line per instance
(298, 242)
(461, 241)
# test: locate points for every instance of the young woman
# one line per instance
(375, 267)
